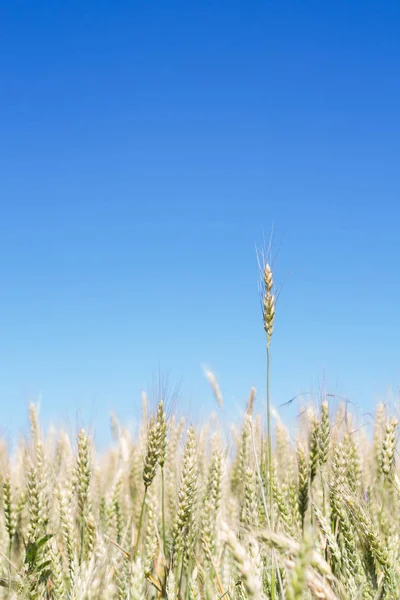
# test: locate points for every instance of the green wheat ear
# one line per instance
(314, 448)
(154, 442)
(187, 493)
(303, 482)
(324, 433)
(389, 447)
(9, 511)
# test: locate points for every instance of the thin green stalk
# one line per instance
(258, 473)
(323, 506)
(269, 435)
(140, 522)
(163, 510)
(9, 565)
(270, 486)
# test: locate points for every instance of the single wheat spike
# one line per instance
(90, 535)
(34, 422)
(353, 461)
(379, 431)
(83, 473)
(268, 302)
(250, 401)
(9, 515)
(67, 531)
(212, 380)
(163, 430)
(269, 315)
(304, 478)
(250, 510)
(35, 506)
(324, 433)
(284, 512)
(389, 447)
(152, 453)
(314, 448)
(339, 465)
(187, 490)
(212, 501)
(59, 592)
(268, 278)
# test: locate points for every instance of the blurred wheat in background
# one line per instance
(182, 512)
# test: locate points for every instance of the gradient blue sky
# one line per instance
(146, 147)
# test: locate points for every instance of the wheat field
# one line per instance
(188, 512)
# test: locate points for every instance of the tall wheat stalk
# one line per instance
(268, 318)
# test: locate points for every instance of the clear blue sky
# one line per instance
(146, 147)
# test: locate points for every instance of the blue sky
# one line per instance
(146, 147)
